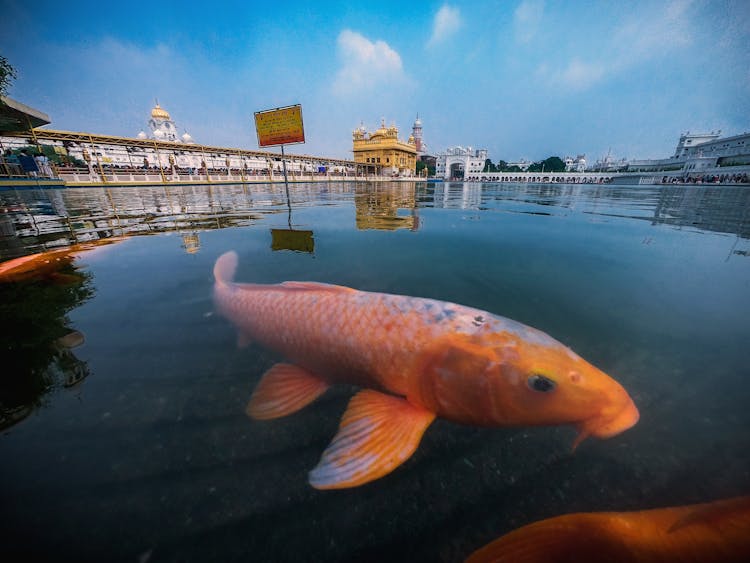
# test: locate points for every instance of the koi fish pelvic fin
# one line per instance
(284, 389)
(564, 538)
(377, 433)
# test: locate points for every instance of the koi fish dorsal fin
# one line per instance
(225, 267)
(284, 389)
(377, 434)
(314, 286)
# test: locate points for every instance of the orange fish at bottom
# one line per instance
(699, 533)
(417, 359)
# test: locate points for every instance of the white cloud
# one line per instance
(446, 23)
(580, 75)
(639, 38)
(366, 64)
(527, 19)
(635, 41)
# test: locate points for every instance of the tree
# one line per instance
(488, 166)
(7, 75)
(551, 164)
(554, 164)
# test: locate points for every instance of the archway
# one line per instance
(457, 171)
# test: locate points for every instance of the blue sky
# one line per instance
(523, 78)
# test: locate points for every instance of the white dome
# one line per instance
(186, 138)
(142, 135)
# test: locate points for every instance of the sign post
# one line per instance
(283, 126)
(280, 126)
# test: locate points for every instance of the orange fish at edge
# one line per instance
(701, 533)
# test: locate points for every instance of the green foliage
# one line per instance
(7, 75)
(421, 165)
(554, 164)
(551, 164)
(501, 166)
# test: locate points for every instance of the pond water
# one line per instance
(135, 446)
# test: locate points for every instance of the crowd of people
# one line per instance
(25, 165)
(707, 179)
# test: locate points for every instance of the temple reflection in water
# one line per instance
(380, 206)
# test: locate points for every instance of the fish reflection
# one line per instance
(48, 265)
(418, 358)
(37, 351)
(710, 532)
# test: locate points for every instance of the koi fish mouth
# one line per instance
(608, 424)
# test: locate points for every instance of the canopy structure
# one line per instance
(15, 116)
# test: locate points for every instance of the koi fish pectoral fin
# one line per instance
(377, 433)
(284, 389)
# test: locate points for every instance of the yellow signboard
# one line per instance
(280, 126)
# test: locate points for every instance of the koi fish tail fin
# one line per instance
(225, 267)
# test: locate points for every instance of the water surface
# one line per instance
(135, 445)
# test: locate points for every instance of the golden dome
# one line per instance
(159, 113)
(382, 132)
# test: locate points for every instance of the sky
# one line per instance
(522, 78)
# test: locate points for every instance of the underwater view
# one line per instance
(127, 429)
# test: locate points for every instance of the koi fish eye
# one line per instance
(540, 383)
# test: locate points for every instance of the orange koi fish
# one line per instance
(418, 359)
(47, 264)
(700, 533)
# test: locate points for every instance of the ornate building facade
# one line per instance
(163, 128)
(383, 148)
(458, 162)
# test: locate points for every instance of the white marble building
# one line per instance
(577, 164)
(162, 128)
(459, 162)
(698, 152)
